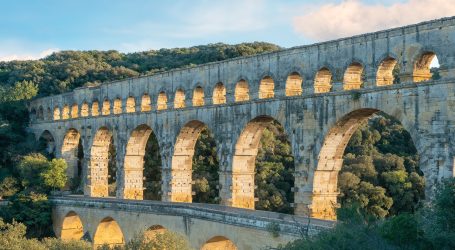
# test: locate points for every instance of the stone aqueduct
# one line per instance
(319, 93)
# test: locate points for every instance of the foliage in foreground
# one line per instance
(432, 227)
(160, 241)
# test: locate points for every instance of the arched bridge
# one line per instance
(319, 93)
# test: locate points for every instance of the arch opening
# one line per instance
(262, 151)
(106, 109)
(388, 72)
(66, 112)
(266, 88)
(84, 110)
(46, 143)
(365, 153)
(108, 232)
(40, 114)
(179, 100)
(323, 81)
(142, 166)
(49, 114)
(161, 103)
(130, 105)
(102, 171)
(117, 106)
(95, 111)
(219, 94)
(198, 96)
(72, 228)
(242, 92)
(56, 113)
(146, 103)
(294, 84)
(426, 67)
(353, 76)
(73, 154)
(219, 242)
(75, 111)
(182, 165)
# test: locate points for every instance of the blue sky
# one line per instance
(32, 29)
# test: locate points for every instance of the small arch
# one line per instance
(72, 228)
(49, 114)
(117, 106)
(40, 115)
(74, 111)
(106, 107)
(84, 110)
(66, 112)
(95, 109)
(198, 96)
(422, 67)
(179, 100)
(294, 84)
(385, 75)
(219, 242)
(130, 105)
(33, 114)
(353, 76)
(219, 94)
(56, 113)
(323, 81)
(108, 232)
(161, 102)
(146, 103)
(266, 88)
(242, 92)
(47, 143)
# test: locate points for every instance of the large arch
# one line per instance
(133, 166)
(47, 143)
(182, 161)
(72, 228)
(99, 163)
(71, 152)
(325, 192)
(244, 162)
(108, 232)
(218, 243)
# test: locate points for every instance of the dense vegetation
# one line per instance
(380, 177)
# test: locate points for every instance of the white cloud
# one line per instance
(352, 17)
(28, 55)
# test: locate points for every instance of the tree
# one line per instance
(8, 187)
(54, 176)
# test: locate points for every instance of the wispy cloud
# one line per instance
(12, 49)
(351, 17)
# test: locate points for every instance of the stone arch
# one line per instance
(422, 71)
(179, 99)
(152, 231)
(219, 94)
(47, 143)
(242, 92)
(384, 75)
(130, 105)
(95, 109)
(72, 228)
(330, 160)
(117, 109)
(198, 96)
(182, 161)
(146, 103)
(99, 163)
(323, 81)
(161, 102)
(106, 109)
(244, 162)
(133, 166)
(352, 78)
(219, 242)
(33, 114)
(66, 112)
(40, 114)
(74, 111)
(294, 84)
(49, 114)
(71, 152)
(266, 88)
(108, 232)
(84, 110)
(56, 113)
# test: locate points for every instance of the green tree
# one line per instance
(54, 176)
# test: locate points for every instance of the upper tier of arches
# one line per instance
(326, 79)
